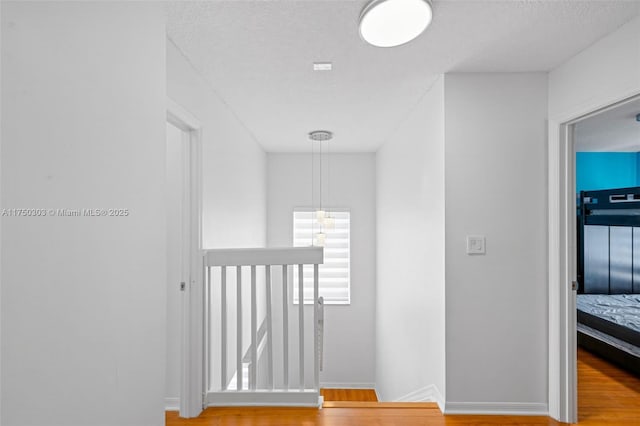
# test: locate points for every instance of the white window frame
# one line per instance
(306, 242)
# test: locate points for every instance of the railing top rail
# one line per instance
(264, 256)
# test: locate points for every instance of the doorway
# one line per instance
(563, 263)
(607, 238)
(184, 268)
(177, 256)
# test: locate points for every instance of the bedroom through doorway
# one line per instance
(607, 246)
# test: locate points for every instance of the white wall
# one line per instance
(605, 73)
(234, 165)
(234, 180)
(410, 352)
(349, 329)
(496, 304)
(83, 298)
(1, 207)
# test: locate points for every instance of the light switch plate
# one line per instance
(475, 244)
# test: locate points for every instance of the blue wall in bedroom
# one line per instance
(607, 170)
(638, 168)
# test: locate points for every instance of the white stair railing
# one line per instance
(247, 361)
(262, 389)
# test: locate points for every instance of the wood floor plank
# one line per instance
(364, 395)
(373, 404)
(607, 396)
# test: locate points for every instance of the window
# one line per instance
(334, 274)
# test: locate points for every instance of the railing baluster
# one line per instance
(254, 331)
(207, 328)
(223, 329)
(285, 325)
(248, 347)
(316, 354)
(239, 328)
(269, 329)
(301, 323)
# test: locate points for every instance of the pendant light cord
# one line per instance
(321, 179)
(313, 169)
(328, 177)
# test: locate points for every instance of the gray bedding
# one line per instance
(621, 309)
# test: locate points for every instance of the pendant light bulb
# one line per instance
(319, 239)
(320, 216)
(329, 222)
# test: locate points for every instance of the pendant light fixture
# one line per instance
(390, 23)
(319, 136)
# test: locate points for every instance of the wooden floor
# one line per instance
(607, 396)
(362, 395)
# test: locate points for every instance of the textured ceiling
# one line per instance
(612, 130)
(258, 56)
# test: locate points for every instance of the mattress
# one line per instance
(615, 314)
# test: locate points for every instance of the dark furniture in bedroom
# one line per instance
(609, 275)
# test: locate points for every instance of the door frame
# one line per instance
(563, 398)
(192, 324)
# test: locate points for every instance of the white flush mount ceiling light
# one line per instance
(389, 23)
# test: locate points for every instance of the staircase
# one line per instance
(366, 399)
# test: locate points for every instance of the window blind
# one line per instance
(334, 274)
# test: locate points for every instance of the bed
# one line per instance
(608, 299)
(609, 325)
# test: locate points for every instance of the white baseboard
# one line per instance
(428, 393)
(497, 408)
(335, 385)
(172, 404)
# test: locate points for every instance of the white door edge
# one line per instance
(192, 371)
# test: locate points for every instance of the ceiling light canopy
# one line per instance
(320, 135)
(389, 23)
